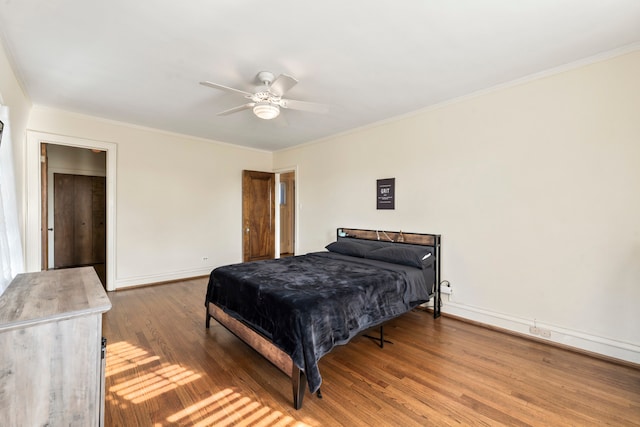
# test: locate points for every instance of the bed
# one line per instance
(294, 310)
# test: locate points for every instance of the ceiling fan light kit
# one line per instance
(267, 99)
(266, 110)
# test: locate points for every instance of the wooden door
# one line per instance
(258, 215)
(82, 221)
(287, 213)
(63, 220)
(79, 220)
(99, 221)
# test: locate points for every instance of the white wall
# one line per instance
(534, 187)
(78, 161)
(178, 198)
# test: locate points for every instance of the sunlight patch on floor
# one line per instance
(123, 356)
(154, 383)
(237, 410)
(151, 382)
(150, 378)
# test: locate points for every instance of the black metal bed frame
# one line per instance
(295, 373)
(400, 239)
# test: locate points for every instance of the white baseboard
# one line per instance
(159, 278)
(605, 346)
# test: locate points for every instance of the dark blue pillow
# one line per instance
(413, 256)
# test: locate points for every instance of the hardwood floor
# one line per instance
(165, 369)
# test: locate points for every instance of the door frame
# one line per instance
(296, 188)
(33, 236)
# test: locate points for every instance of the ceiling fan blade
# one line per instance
(226, 88)
(292, 104)
(282, 84)
(236, 109)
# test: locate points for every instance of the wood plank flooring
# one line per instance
(165, 369)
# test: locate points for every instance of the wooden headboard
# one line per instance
(390, 236)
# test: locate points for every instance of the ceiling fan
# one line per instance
(267, 100)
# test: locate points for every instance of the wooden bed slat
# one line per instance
(256, 341)
(266, 348)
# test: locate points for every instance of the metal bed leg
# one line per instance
(381, 339)
(207, 322)
(437, 302)
(437, 298)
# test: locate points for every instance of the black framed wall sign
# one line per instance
(386, 193)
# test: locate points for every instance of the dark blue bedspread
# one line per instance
(308, 304)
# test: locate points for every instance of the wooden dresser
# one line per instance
(51, 358)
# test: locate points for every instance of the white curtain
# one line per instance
(11, 258)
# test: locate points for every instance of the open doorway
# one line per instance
(287, 209)
(35, 249)
(268, 214)
(74, 192)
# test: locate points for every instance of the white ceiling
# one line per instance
(141, 61)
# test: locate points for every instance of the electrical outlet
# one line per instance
(534, 330)
(446, 290)
(546, 333)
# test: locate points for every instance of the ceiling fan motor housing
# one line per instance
(266, 77)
